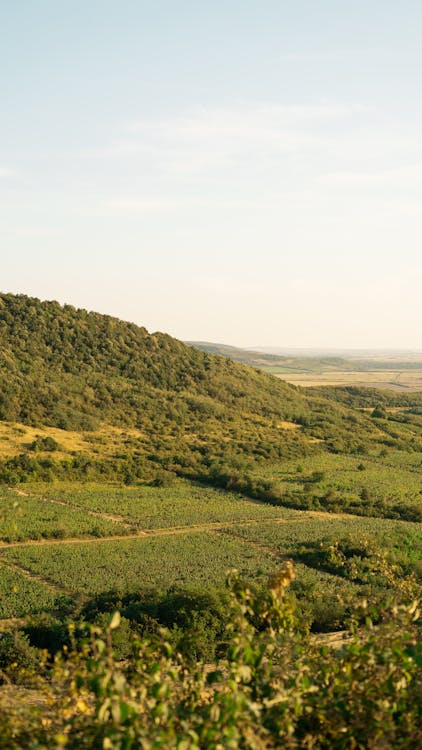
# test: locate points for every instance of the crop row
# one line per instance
(30, 517)
(20, 595)
(181, 504)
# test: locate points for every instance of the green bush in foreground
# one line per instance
(275, 688)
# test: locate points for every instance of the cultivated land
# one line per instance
(391, 379)
(59, 542)
(401, 371)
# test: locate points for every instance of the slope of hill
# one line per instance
(136, 462)
(72, 369)
(136, 404)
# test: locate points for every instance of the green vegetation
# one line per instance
(271, 687)
(20, 595)
(138, 471)
(187, 537)
(193, 560)
(181, 504)
(28, 517)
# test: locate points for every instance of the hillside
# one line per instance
(131, 465)
(135, 405)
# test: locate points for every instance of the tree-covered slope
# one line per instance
(70, 368)
(190, 412)
(62, 366)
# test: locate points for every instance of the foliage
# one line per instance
(46, 443)
(274, 688)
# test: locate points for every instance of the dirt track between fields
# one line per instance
(157, 532)
(74, 506)
(147, 534)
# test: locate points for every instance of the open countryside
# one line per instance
(153, 493)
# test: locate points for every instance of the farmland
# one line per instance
(391, 379)
(28, 517)
(395, 371)
(183, 537)
(160, 507)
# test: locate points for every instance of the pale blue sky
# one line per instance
(236, 171)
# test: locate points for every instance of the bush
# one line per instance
(47, 443)
(17, 657)
(276, 687)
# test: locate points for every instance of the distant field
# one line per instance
(398, 371)
(395, 380)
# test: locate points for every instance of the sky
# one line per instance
(246, 172)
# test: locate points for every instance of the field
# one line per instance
(24, 516)
(396, 371)
(375, 485)
(391, 379)
(182, 504)
(62, 543)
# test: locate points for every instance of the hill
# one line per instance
(146, 407)
(270, 361)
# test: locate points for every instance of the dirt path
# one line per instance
(145, 534)
(54, 587)
(74, 506)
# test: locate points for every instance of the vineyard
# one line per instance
(159, 507)
(62, 543)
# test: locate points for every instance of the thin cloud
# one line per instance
(7, 172)
(209, 133)
(402, 177)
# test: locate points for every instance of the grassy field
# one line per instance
(16, 438)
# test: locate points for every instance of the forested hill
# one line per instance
(63, 367)
(190, 412)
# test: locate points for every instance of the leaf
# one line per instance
(115, 621)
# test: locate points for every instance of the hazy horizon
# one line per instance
(224, 172)
(270, 349)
